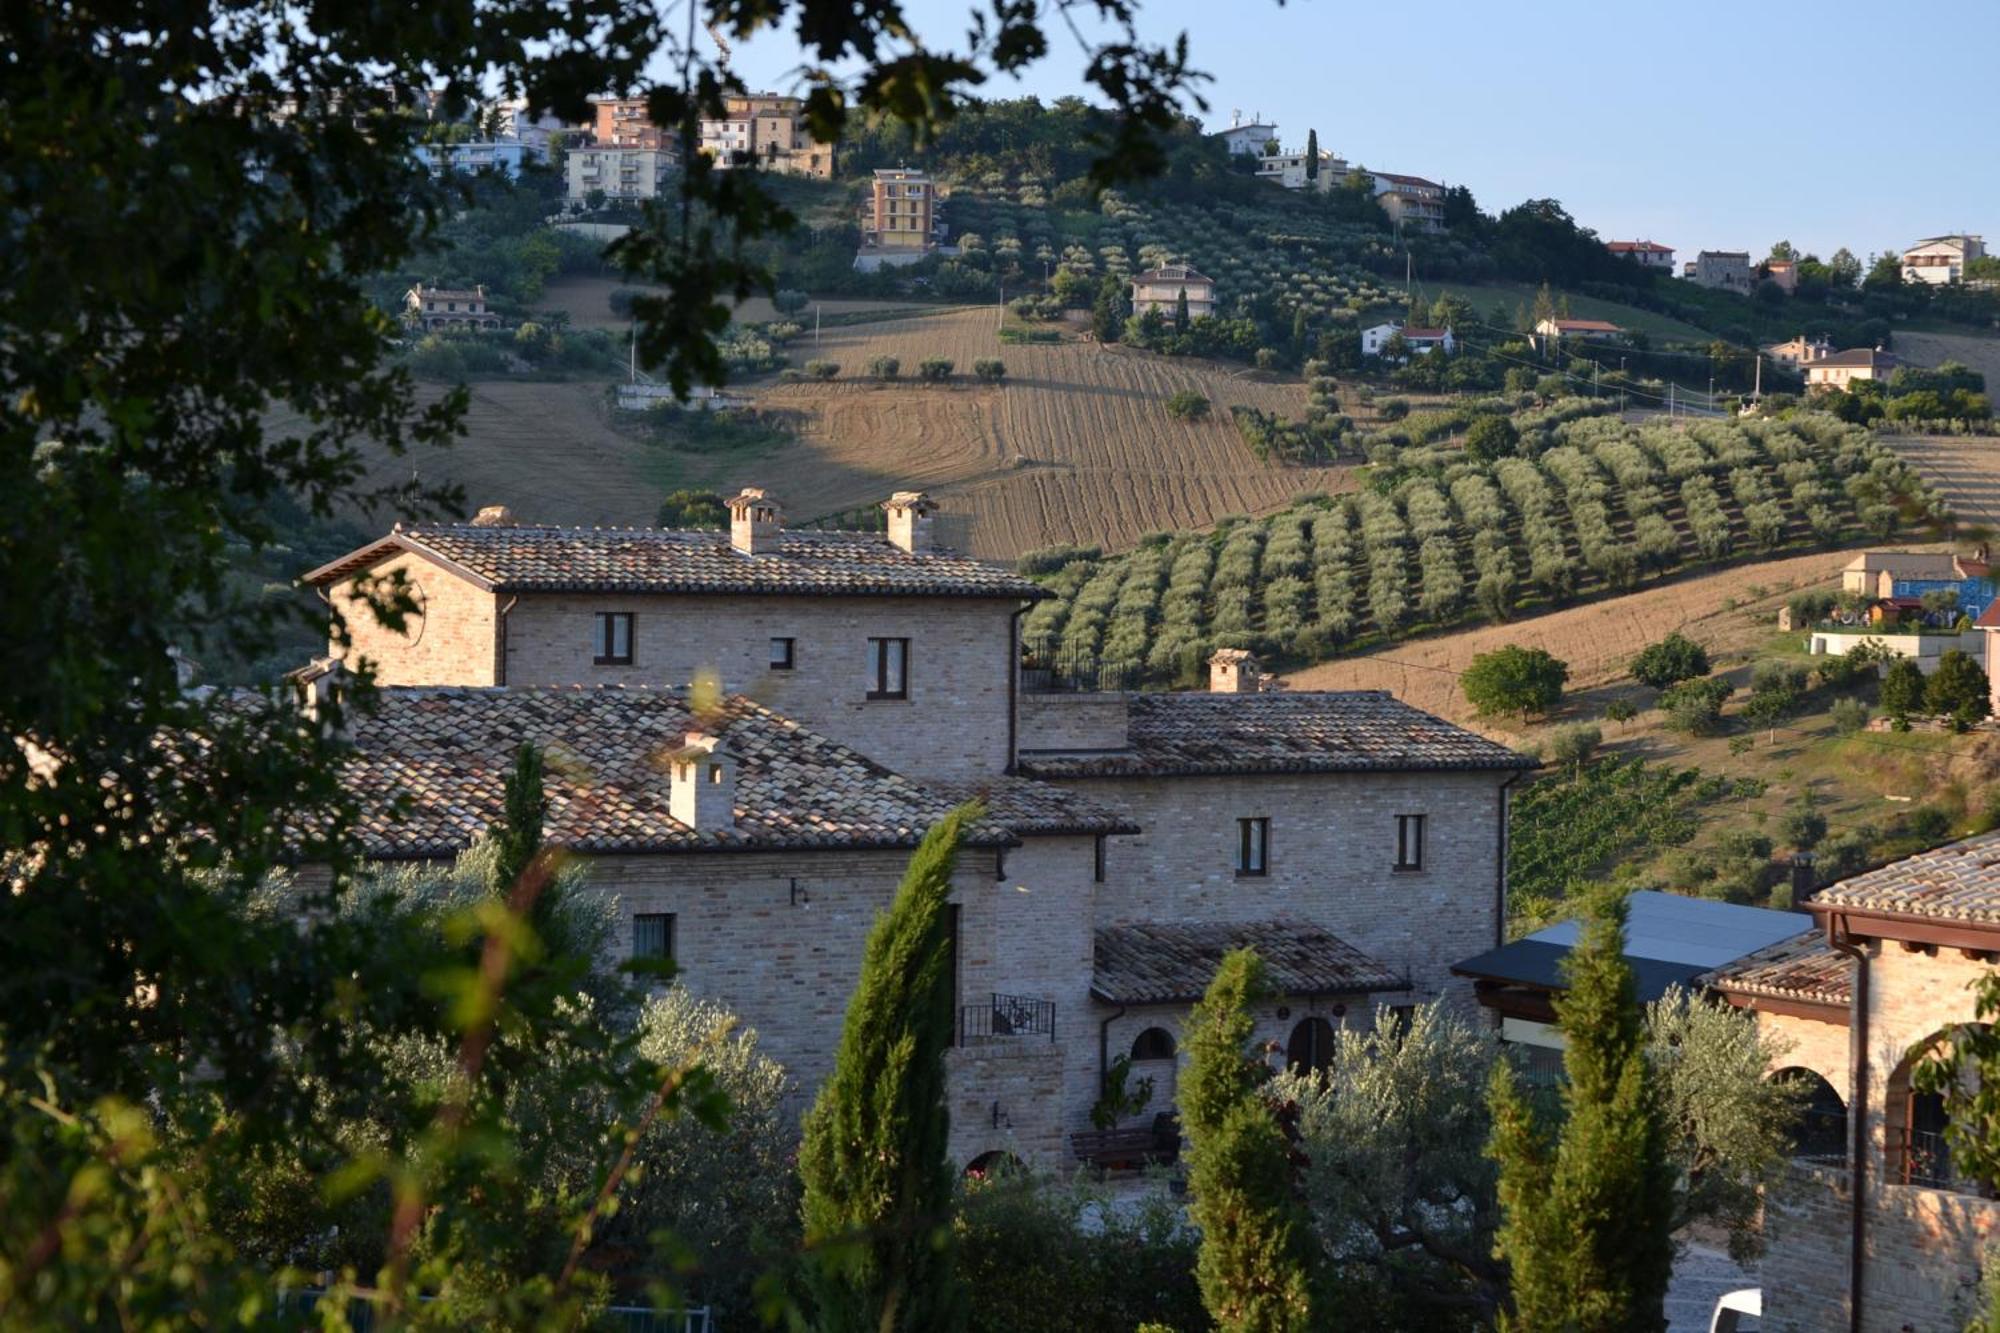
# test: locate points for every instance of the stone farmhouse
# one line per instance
(754, 728)
(1877, 1216)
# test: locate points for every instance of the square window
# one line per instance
(889, 668)
(1409, 842)
(614, 638)
(784, 654)
(653, 935)
(1253, 846)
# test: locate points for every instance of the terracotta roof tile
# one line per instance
(1335, 731)
(1173, 962)
(429, 764)
(520, 558)
(1803, 968)
(1957, 882)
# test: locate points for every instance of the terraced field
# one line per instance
(1437, 538)
(1076, 446)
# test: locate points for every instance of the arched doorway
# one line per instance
(1153, 1044)
(995, 1164)
(1310, 1051)
(1821, 1132)
(1915, 1147)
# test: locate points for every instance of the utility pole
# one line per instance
(1670, 400)
(1757, 394)
(815, 326)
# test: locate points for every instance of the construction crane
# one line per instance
(721, 45)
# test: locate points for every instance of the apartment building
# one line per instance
(1412, 203)
(1878, 1228)
(503, 157)
(858, 686)
(625, 122)
(902, 210)
(1161, 289)
(1941, 260)
(768, 131)
(1294, 170)
(619, 172)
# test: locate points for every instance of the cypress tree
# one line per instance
(1312, 155)
(1107, 314)
(1181, 312)
(878, 1184)
(1587, 1213)
(1255, 1241)
(517, 838)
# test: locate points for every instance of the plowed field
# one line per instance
(1597, 639)
(1076, 446)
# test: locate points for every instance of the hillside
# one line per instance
(1594, 507)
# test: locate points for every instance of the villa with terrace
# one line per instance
(750, 730)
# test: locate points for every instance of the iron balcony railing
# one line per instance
(1051, 668)
(1927, 1160)
(1004, 1018)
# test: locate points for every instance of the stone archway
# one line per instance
(1821, 1133)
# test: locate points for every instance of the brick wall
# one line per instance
(1080, 721)
(449, 643)
(953, 724)
(1332, 849)
(1810, 1044)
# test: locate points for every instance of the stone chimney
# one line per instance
(493, 516)
(910, 521)
(1804, 879)
(1234, 671)
(701, 784)
(323, 685)
(754, 527)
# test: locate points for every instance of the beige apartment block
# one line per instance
(1161, 289)
(902, 210)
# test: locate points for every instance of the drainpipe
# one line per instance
(1857, 1112)
(1503, 846)
(1013, 686)
(500, 641)
(1104, 1050)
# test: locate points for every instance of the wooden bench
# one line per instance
(1107, 1148)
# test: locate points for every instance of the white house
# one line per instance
(1247, 137)
(1161, 289)
(1941, 260)
(1646, 254)
(1585, 330)
(1289, 170)
(1373, 340)
(620, 172)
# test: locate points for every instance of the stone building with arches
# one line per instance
(1886, 1233)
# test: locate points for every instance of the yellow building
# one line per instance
(903, 215)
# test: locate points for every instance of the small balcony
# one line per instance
(1006, 1018)
(1047, 667)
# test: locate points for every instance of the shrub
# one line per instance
(1393, 409)
(1265, 358)
(1573, 744)
(1802, 827)
(1491, 437)
(885, 367)
(934, 369)
(1673, 659)
(1049, 559)
(1514, 681)
(1958, 689)
(1694, 707)
(991, 369)
(693, 509)
(1903, 689)
(822, 370)
(1848, 715)
(788, 301)
(1187, 405)
(1620, 710)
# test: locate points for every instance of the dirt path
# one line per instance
(1597, 639)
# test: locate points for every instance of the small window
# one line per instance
(715, 775)
(1409, 842)
(1153, 1044)
(783, 654)
(1097, 859)
(653, 935)
(889, 663)
(614, 638)
(1253, 846)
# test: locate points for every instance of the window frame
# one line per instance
(879, 653)
(791, 658)
(1405, 824)
(1097, 859)
(670, 933)
(1253, 833)
(604, 638)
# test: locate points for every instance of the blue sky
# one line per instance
(1696, 124)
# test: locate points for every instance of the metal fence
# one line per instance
(1927, 1160)
(1005, 1017)
(1050, 668)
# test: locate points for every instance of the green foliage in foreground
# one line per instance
(1255, 1264)
(878, 1181)
(1587, 1211)
(1514, 681)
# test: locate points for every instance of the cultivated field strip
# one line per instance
(1076, 446)
(1437, 537)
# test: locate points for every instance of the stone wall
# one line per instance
(954, 723)
(1081, 721)
(449, 642)
(1810, 1044)
(1332, 858)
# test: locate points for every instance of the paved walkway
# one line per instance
(1704, 1273)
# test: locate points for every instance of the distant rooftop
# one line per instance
(1803, 969)
(1958, 882)
(1173, 962)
